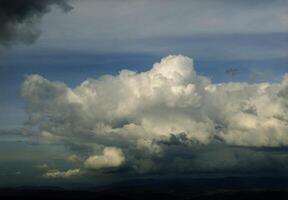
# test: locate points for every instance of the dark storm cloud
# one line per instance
(18, 19)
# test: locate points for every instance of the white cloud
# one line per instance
(62, 174)
(112, 157)
(134, 111)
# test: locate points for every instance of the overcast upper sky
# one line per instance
(206, 29)
(57, 129)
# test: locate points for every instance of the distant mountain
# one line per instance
(208, 188)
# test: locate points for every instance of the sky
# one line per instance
(96, 91)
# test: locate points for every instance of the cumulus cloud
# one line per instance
(19, 19)
(112, 157)
(153, 115)
(62, 174)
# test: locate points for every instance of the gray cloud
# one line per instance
(19, 19)
(200, 28)
(12, 132)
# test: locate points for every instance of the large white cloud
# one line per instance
(134, 111)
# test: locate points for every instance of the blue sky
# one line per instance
(90, 44)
